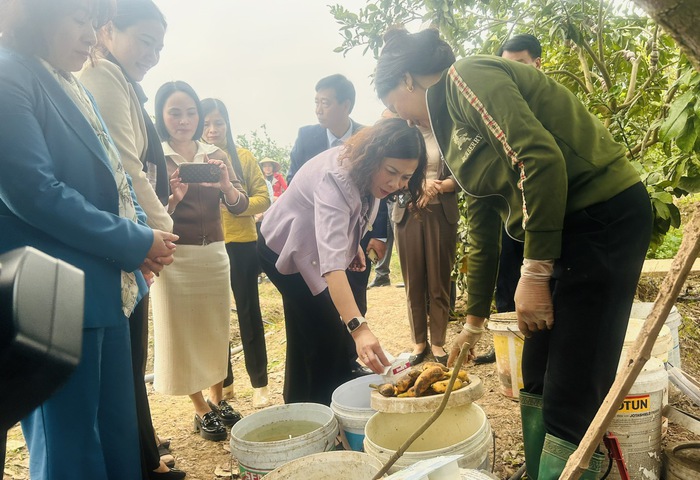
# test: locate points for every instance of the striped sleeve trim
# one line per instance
(495, 130)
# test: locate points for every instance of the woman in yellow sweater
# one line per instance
(240, 236)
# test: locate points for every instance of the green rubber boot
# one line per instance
(555, 454)
(533, 431)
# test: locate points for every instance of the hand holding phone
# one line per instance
(199, 173)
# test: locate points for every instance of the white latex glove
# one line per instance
(533, 299)
(470, 334)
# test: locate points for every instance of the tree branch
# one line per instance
(570, 75)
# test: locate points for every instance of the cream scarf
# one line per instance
(80, 97)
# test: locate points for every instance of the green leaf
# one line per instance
(686, 140)
(675, 215)
(661, 209)
(663, 197)
(677, 116)
(653, 178)
(690, 184)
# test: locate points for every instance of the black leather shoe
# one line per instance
(210, 427)
(172, 474)
(379, 282)
(360, 371)
(225, 412)
(487, 358)
(419, 357)
(442, 359)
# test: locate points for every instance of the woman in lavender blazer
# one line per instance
(311, 235)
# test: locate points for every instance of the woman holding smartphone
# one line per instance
(191, 304)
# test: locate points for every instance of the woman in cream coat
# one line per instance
(128, 46)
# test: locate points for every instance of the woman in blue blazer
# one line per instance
(63, 190)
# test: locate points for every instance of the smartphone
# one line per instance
(199, 173)
(373, 256)
(403, 198)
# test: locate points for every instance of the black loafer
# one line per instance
(225, 412)
(419, 357)
(172, 474)
(360, 371)
(379, 282)
(486, 358)
(442, 359)
(210, 427)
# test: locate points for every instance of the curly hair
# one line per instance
(365, 151)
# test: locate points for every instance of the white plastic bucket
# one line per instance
(637, 424)
(508, 344)
(328, 466)
(463, 430)
(673, 321)
(351, 404)
(257, 458)
(663, 344)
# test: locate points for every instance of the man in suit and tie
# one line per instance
(335, 99)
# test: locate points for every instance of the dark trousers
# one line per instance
(138, 328)
(358, 284)
(359, 280)
(508, 272)
(574, 365)
(317, 340)
(383, 268)
(245, 266)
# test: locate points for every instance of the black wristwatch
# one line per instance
(355, 323)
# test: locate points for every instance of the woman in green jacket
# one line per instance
(241, 236)
(532, 158)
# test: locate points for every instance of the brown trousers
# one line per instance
(426, 246)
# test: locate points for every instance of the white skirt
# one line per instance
(191, 301)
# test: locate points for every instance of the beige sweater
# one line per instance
(121, 111)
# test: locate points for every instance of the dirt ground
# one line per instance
(201, 459)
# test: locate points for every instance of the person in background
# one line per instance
(531, 157)
(64, 191)
(128, 46)
(311, 236)
(240, 236)
(382, 271)
(335, 99)
(192, 302)
(526, 49)
(426, 239)
(271, 171)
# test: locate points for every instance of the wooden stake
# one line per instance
(640, 351)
